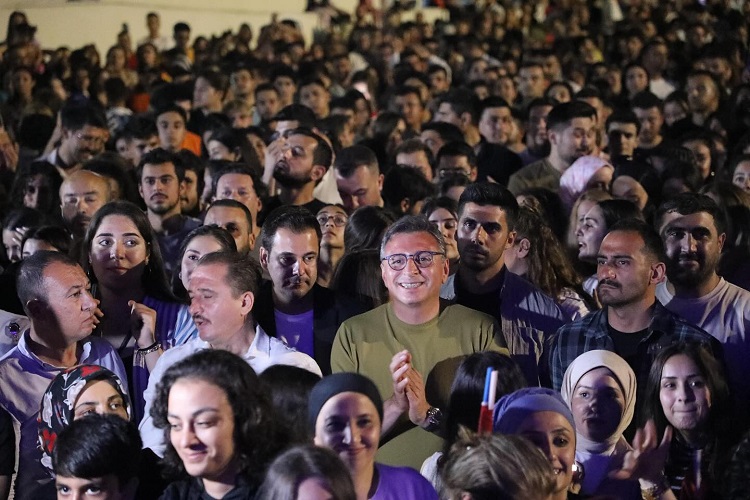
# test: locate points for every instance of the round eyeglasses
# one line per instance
(423, 259)
(338, 220)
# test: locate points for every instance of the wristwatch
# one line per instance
(434, 419)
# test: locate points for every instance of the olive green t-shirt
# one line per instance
(366, 343)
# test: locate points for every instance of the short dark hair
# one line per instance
(237, 168)
(563, 114)
(181, 26)
(646, 100)
(30, 282)
(171, 108)
(343, 103)
(614, 210)
(75, 116)
(322, 154)
(490, 194)
(537, 103)
(406, 90)
(243, 272)
(229, 203)
(265, 87)
(160, 156)
(410, 146)
(447, 131)
(304, 116)
(492, 102)
(294, 218)
(353, 157)
(412, 224)
(653, 244)
(458, 148)
(624, 116)
(405, 182)
(97, 446)
(462, 101)
(692, 203)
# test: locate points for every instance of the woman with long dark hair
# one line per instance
(121, 256)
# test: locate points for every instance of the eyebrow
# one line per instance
(197, 412)
(688, 376)
(81, 194)
(601, 256)
(75, 288)
(123, 234)
(94, 403)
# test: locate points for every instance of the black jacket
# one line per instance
(329, 311)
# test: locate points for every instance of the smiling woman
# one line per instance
(346, 414)
(218, 424)
(687, 390)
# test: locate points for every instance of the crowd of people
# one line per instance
(501, 255)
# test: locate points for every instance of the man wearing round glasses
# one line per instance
(84, 133)
(422, 339)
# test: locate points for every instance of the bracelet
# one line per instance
(148, 350)
(655, 491)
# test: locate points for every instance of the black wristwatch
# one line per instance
(434, 419)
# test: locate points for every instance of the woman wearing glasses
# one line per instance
(332, 220)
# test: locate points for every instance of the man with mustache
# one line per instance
(84, 134)
(571, 130)
(161, 182)
(528, 317)
(81, 195)
(693, 229)
(292, 306)
(56, 296)
(222, 290)
(632, 322)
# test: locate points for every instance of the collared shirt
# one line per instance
(263, 352)
(23, 379)
(591, 332)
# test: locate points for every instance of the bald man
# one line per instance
(81, 195)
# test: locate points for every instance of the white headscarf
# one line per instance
(622, 373)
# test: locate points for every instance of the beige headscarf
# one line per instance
(625, 377)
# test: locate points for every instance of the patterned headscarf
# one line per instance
(58, 403)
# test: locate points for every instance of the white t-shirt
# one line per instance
(725, 314)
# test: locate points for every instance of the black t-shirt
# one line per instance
(488, 303)
(626, 344)
(270, 204)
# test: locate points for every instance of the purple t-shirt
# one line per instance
(296, 330)
(402, 483)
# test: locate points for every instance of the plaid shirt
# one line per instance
(591, 332)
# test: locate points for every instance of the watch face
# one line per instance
(13, 330)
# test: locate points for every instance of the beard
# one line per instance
(690, 277)
(163, 208)
(290, 181)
